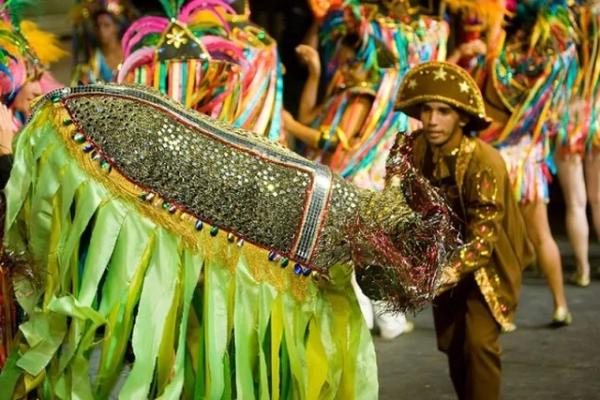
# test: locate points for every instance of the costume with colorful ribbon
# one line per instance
(532, 73)
(387, 48)
(211, 59)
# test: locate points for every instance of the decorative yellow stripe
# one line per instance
(492, 300)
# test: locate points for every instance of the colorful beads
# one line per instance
(88, 147)
(79, 137)
(105, 165)
(272, 256)
(199, 225)
(284, 262)
(214, 231)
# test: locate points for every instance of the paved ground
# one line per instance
(538, 362)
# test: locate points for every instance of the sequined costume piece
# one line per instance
(123, 197)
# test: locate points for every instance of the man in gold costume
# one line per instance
(482, 282)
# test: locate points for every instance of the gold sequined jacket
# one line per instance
(496, 245)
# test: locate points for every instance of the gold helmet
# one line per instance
(444, 82)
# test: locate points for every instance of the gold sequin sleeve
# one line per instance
(484, 209)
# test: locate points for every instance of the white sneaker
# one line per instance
(389, 334)
(391, 325)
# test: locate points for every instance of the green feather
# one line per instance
(15, 10)
(171, 7)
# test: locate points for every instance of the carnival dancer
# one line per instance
(577, 156)
(211, 59)
(98, 28)
(481, 288)
(526, 76)
(25, 52)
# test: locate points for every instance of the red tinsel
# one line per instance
(403, 267)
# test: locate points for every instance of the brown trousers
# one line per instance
(468, 334)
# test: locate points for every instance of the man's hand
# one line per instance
(309, 57)
(6, 130)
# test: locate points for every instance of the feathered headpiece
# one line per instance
(209, 58)
(25, 50)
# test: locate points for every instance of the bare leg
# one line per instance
(538, 229)
(572, 182)
(592, 178)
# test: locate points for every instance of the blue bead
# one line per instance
(199, 225)
(298, 269)
(272, 256)
(307, 271)
(88, 147)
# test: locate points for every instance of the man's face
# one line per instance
(440, 122)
